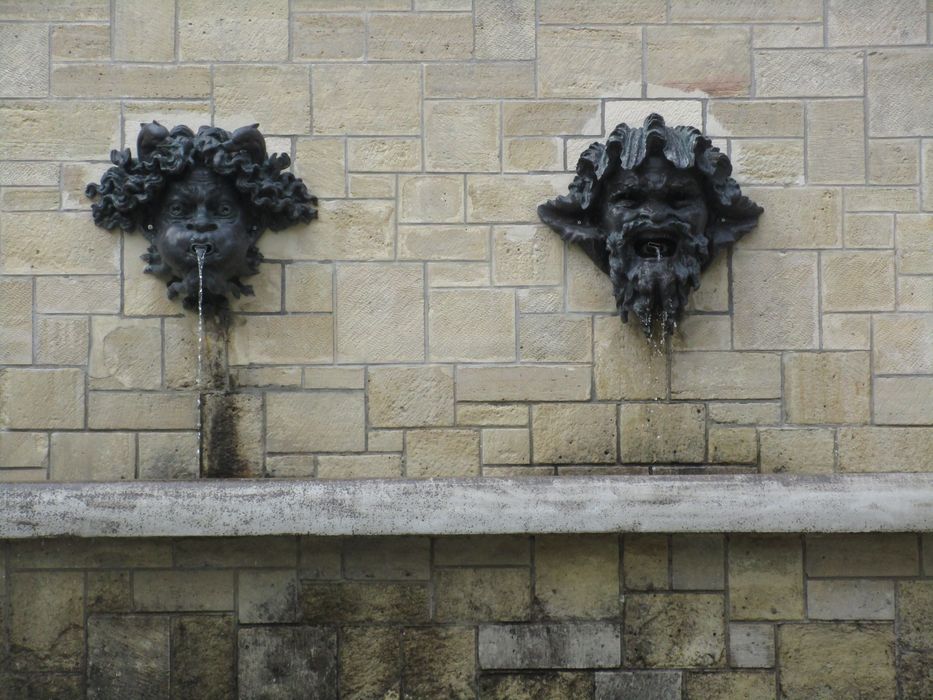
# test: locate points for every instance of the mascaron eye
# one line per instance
(225, 209)
(624, 199)
(176, 209)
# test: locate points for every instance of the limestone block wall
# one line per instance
(427, 325)
(695, 617)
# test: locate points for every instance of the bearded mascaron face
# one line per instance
(203, 211)
(654, 219)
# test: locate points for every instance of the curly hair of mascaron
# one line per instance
(131, 191)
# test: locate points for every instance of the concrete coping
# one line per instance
(485, 505)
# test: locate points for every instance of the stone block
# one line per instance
(645, 562)
(898, 199)
(16, 320)
(751, 645)
(128, 656)
(81, 42)
(588, 61)
(697, 562)
(62, 340)
(903, 400)
(443, 243)
(756, 119)
(319, 557)
(482, 595)
(558, 645)
(318, 421)
(733, 445)
(777, 596)
(25, 59)
(915, 614)
(125, 353)
(294, 661)
(893, 162)
(431, 198)
(509, 198)
(286, 109)
(712, 61)
(787, 316)
(345, 230)
(144, 32)
(850, 599)
(539, 300)
(506, 446)
(429, 36)
(526, 255)
(43, 129)
(677, 630)
(203, 653)
(652, 433)
(33, 244)
(523, 383)
(364, 601)
(321, 163)
(768, 162)
(869, 230)
(116, 80)
(869, 449)
(860, 23)
(796, 218)
(797, 451)
(555, 685)
(895, 78)
(385, 101)
(46, 621)
(42, 398)
(380, 313)
(82, 294)
(764, 413)
(439, 662)
(577, 576)
(862, 554)
(846, 331)
(267, 596)
(393, 558)
(235, 552)
(384, 155)
(251, 31)
(369, 662)
(461, 136)
(141, 410)
(504, 29)
(401, 397)
(836, 142)
(472, 325)
(827, 387)
(914, 673)
(658, 685)
(371, 186)
(573, 433)
(552, 118)
(441, 452)
(915, 294)
(532, 153)
(167, 456)
(104, 553)
(555, 338)
(745, 11)
(625, 367)
(808, 73)
(172, 591)
(482, 550)
(862, 281)
(309, 287)
(484, 80)
(92, 456)
(29, 198)
(902, 344)
(725, 375)
(21, 449)
(275, 339)
(375, 466)
(109, 591)
(852, 659)
(757, 685)
(329, 37)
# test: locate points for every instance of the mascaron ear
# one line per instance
(566, 218)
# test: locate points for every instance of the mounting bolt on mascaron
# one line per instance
(208, 195)
(652, 207)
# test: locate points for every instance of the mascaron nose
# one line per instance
(202, 225)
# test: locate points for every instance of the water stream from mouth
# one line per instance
(201, 252)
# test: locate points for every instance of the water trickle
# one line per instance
(200, 251)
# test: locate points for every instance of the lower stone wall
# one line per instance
(509, 617)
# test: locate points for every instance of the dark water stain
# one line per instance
(226, 452)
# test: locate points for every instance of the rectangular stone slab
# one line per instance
(733, 503)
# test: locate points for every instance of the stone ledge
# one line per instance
(838, 503)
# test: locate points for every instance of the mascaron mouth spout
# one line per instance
(201, 249)
(655, 244)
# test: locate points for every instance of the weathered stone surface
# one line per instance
(286, 662)
(41, 398)
(107, 553)
(649, 685)
(768, 162)
(710, 60)
(915, 673)
(915, 614)
(846, 331)
(577, 577)
(797, 451)
(404, 397)
(588, 61)
(482, 595)
(808, 72)
(657, 432)
(573, 433)
(109, 592)
(439, 662)
(776, 300)
(757, 118)
(142, 410)
(92, 456)
(798, 217)
(251, 31)
(566, 645)
(309, 287)
(482, 80)
(625, 367)
(267, 596)
(836, 142)
(385, 100)
(364, 601)
(387, 558)
(25, 60)
(125, 353)
(34, 244)
(504, 29)
(344, 230)
(16, 321)
(523, 383)
(472, 325)
(380, 313)
(231, 435)
(674, 630)
(893, 162)
(862, 281)
(19, 449)
(366, 466)
(320, 421)
(46, 627)
(509, 198)
(475, 146)
(833, 660)
(855, 599)
(730, 445)
(287, 109)
(554, 685)
(862, 554)
(81, 294)
(827, 387)
(751, 685)
(43, 130)
(128, 656)
(901, 344)
(321, 163)
(431, 198)
(203, 656)
(234, 552)
(80, 42)
(697, 562)
(143, 31)
(319, 557)
(439, 452)
(526, 255)
(751, 645)
(777, 596)
(853, 24)
(116, 80)
(165, 591)
(532, 153)
(895, 78)
(370, 662)
(476, 550)
(551, 118)
(739, 413)
(506, 446)
(328, 37)
(903, 400)
(645, 558)
(62, 340)
(725, 375)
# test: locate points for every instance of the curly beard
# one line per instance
(655, 289)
